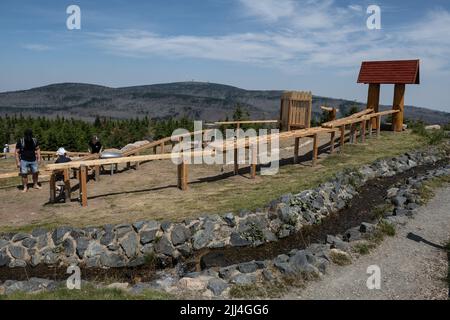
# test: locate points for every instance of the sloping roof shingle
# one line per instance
(390, 72)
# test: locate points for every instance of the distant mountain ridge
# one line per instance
(197, 100)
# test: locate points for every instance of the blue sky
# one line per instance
(315, 45)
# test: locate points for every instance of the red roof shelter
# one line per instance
(399, 73)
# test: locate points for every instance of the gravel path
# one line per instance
(409, 269)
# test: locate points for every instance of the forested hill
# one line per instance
(194, 100)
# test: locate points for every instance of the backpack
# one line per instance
(22, 144)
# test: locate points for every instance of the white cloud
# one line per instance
(36, 47)
(304, 35)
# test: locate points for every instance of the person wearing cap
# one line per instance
(95, 146)
(6, 150)
(62, 156)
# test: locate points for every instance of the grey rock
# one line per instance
(130, 245)
(35, 260)
(93, 262)
(230, 219)
(122, 229)
(3, 243)
(138, 225)
(269, 235)
(69, 247)
(237, 240)
(392, 192)
(148, 236)
(42, 241)
(164, 246)
(50, 258)
(19, 237)
(366, 227)
(107, 238)
(29, 243)
(59, 233)
(398, 201)
(247, 267)
(185, 249)
(112, 260)
(139, 261)
(113, 247)
(299, 261)
(165, 226)
(217, 286)
(244, 279)
(4, 259)
(38, 232)
(261, 264)
(17, 252)
(148, 249)
(179, 234)
(268, 275)
(352, 234)
(226, 272)
(94, 249)
(18, 263)
(201, 239)
(82, 245)
(401, 212)
(412, 206)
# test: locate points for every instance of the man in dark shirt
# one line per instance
(95, 145)
(28, 156)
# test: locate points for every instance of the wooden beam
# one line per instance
(67, 188)
(83, 185)
(245, 122)
(399, 104)
(315, 149)
(182, 176)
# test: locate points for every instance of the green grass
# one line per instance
(341, 259)
(386, 228)
(427, 189)
(363, 248)
(88, 293)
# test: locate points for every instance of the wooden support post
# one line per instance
(97, 172)
(296, 147)
(155, 149)
(67, 189)
(236, 164)
(136, 166)
(378, 126)
(182, 176)
(342, 137)
(399, 104)
(373, 100)
(253, 160)
(83, 185)
(333, 135)
(52, 187)
(161, 147)
(363, 131)
(370, 128)
(315, 149)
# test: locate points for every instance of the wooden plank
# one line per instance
(67, 188)
(83, 185)
(245, 122)
(398, 104)
(315, 149)
(346, 120)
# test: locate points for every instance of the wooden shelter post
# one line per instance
(399, 104)
(373, 100)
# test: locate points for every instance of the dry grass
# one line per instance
(150, 193)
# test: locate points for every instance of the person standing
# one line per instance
(6, 150)
(95, 145)
(28, 156)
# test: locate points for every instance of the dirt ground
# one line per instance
(410, 269)
(151, 192)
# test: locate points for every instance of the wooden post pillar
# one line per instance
(83, 185)
(97, 172)
(378, 126)
(182, 176)
(296, 147)
(399, 104)
(373, 100)
(162, 147)
(236, 164)
(363, 131)
(315, 149)
(370, 127)
(342, 137)
(67, 189)
(253, 160)
(136, 166)
(333, 135)
(52, 187)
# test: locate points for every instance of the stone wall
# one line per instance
(131, 244)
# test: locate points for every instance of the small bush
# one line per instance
(386, 228)
(362, 248)
(340, 258)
